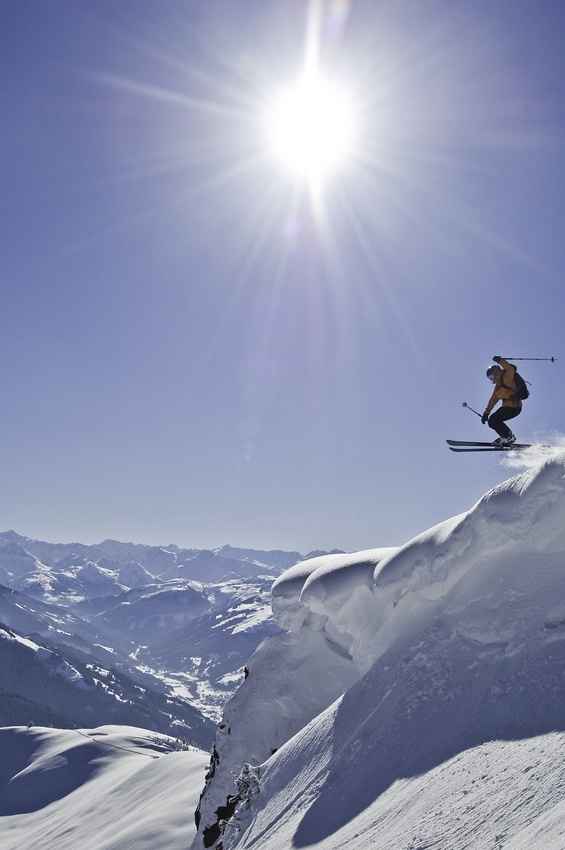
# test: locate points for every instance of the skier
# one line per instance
(506, 391)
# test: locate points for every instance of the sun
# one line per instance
(310, 128)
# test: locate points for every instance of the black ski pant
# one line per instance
(497, 421)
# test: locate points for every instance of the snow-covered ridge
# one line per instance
(108, 787)
(352, 597)
(332, 593)
(55, 664)
(409, 656)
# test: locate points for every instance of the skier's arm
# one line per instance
(509, 370)
(507, 367)
(492, 401)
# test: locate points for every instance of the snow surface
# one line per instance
(110, 788)
(417, 698)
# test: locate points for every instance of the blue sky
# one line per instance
(198, 349)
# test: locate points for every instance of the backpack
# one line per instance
(522, 390)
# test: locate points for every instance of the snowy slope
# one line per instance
(449, 654)
(110, 788)
(48, 687)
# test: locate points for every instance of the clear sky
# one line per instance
(201, 346)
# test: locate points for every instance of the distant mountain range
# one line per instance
(156, 637)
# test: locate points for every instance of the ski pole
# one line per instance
(551, 359)
(470, 408)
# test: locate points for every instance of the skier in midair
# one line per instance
(506, 391)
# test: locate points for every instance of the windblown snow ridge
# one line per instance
(352, 598)
(455, 636)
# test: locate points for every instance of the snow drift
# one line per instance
(425, 678)
(101, 789)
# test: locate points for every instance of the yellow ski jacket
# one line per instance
(505, 389)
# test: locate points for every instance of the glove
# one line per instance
(484, 418)
(497, 359)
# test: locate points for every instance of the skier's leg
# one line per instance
(499, 418)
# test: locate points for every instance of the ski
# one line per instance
(515, 447)
(487, 445)
(476, 446)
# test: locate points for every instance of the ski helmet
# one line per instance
(492, 370)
